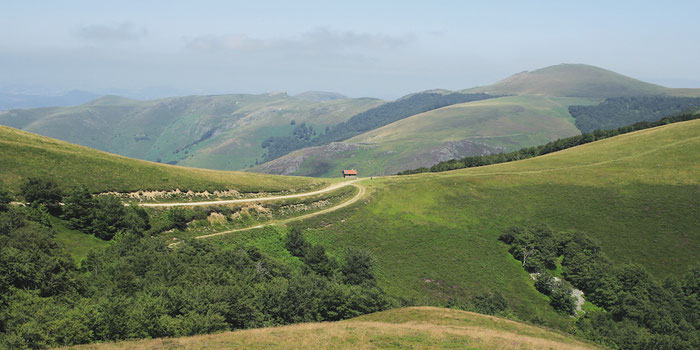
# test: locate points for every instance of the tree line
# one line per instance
(138, 287)
(620, 111)
(638, 312)
(558, 145)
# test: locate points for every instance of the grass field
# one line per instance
(414, 328)
(29, 155)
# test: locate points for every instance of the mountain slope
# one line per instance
(435, 236)
(415, 328)
(473, 128)
(26, 155)
(218, 132)
(578, 80)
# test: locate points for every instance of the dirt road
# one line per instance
(248, 200)
(350, 201)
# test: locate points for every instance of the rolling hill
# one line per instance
(578, 80)
(415, 328)
(24, 155)
(214, 132)
(536, 112)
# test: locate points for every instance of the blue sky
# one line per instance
(359, 48)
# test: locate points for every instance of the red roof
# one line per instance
(350, 172)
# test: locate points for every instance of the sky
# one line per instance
(359, 48)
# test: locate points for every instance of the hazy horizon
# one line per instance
(360, 48)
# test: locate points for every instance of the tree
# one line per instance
(41, 191)
(79, 209)
(178, 218)
(318, 261)
(358, 267)
(4, 198)
(109, 217)
(561, 298)
(544, 283)
(296, 244)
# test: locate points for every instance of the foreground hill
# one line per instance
(415, 328)
(215, 132)
(578, 80)
(29, 155)
(538, 113)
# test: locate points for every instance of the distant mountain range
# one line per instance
(319, 133)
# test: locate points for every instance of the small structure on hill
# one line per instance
(352, 173)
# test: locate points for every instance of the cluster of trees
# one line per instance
(138, 287)
(103, 216)
(638, 312)
(278, 146)
(621, 111)
(304, 136)
(558, 145)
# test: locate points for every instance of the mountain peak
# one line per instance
(572, 80)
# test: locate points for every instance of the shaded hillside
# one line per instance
(415, 328)
(27, 155)
(218, 132)
(578, 80)
(621, 111)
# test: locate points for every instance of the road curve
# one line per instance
(348, 202)
(248, 200)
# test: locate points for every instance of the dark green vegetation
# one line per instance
(138, 287)
(365, 121)
(620, 111)
(214, 132)
(27, 155)
(639, 312)
(554, 146)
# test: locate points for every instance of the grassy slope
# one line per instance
(24, 155)
(169, 129)
(415, 328)
(578, 80)
(638, 194)
(506, 123)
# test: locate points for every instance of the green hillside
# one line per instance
(214, 132)
(473, 128)
(414, 328)
(578, 80)
(538, 113)
(29, 155)
(435, 235)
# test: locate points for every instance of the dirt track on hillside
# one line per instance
(357, 197)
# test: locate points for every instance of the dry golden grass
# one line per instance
(413, 328)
